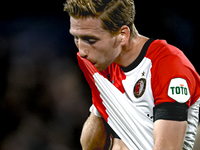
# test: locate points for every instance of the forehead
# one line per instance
(86, 26)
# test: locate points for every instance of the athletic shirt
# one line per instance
(162, 83)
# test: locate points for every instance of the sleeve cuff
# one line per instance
(94, 109)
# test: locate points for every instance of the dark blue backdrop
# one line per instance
(44, 98)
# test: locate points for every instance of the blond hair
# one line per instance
(113, 13)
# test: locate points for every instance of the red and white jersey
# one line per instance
(160, 84)
(160, 75)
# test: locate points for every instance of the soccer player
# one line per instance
(154, 75)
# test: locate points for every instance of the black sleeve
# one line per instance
(170, 111)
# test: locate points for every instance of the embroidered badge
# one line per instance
(139, 87)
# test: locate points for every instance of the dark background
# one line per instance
(44, 98)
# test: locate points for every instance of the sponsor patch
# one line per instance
(178, 90)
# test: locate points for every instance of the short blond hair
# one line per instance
(113, 13)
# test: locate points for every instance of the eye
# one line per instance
(90, 40)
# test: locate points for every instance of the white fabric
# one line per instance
(96, 112)
(193, 119)
(132, 126)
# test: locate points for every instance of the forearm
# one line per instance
(94, 135)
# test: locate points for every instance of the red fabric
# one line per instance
(169, 62)
(116, 76)
(89, 70)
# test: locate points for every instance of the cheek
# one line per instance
(106, 50)
(113, 50)
(109, 54)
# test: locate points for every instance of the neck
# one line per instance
(131, 51)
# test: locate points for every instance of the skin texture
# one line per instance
(101, 48)
(95, 132)
(94, 43)
(169, 135)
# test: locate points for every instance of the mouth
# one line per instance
(92, 62)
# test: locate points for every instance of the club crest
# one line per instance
(139, 87)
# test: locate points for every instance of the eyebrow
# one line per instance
(84, 35)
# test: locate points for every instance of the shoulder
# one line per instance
(160, 49)
(170, 71)
(167, 57)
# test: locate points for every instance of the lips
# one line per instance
(92, 62)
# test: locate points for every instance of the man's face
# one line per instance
(94, 43)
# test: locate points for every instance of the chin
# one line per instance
(100, 68)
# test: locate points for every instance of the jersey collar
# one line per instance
(139, 58)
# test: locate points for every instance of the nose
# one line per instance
(83, 53)
(82, 48)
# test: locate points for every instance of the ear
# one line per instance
(124, 35)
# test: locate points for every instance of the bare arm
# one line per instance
(94, 135)
(169, 135)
